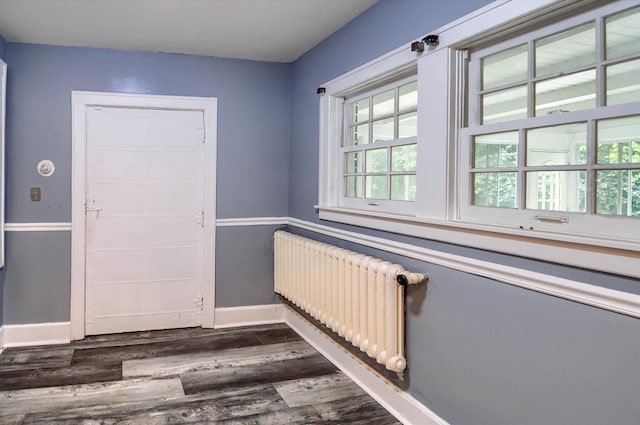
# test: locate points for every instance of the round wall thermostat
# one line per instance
(46, 168)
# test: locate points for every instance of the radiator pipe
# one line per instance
(405, 279)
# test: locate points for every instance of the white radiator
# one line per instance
(356, 296)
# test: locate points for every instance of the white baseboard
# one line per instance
(230, 317)
(1, 339)
(36, 334)
(400, 404)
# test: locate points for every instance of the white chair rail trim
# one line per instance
(581, 292)
(604, 298)
(37, 227)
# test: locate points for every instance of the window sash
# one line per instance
(525, 212)
(363, 176)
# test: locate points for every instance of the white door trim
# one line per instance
(80, 101)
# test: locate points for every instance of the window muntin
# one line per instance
(379, 153)
(546, 98)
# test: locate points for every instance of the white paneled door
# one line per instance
(144, 219)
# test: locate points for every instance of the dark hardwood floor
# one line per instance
(251, 375)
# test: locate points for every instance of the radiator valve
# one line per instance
(405, 279)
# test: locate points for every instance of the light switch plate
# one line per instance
(36, 194)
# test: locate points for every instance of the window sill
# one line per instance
(606, 255)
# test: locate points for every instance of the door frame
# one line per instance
(80, 101)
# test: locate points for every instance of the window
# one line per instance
(379, 149)
(553, 135)
(519, 132)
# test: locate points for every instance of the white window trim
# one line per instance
(602, 226)
(437, 205)
(374, 204)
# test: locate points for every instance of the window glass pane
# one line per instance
(384, 103)
(404, 158)
(557, 190)
(495, 150)
(557, 145)
(495, 189)
(408, 96)
(566, 50)
(504, 105)
(377, 161)
(360, 111)
(567, 93)
(403, 188)
(376, 187)
(623, 33)
(408, 125)
(505, 67)
(353, 186)
(353, 162)
(384, 130)
(619, 140)
(618, 192)
(359, 135)
(623, 82)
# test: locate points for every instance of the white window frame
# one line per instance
(386, 205)
(440, 112)
(598, 226)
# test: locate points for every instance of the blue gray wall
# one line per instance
(479, 351)
(252, 175)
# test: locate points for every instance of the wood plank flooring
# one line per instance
(251, 375)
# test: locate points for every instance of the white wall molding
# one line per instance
(399, 403)
(230, 317)
(36, 334)
(608, 299)
(37, 227)
(252, 221)
(221, 222)
(1, 339)
(584, 293)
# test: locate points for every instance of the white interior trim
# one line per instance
(80, 101)
(36, 334)
(1, 339)
(231, 317)
(612, 257)
(400, 404)
(3, 126)
(252, 221)
(221, 222)
(37, 227)
(607, 299)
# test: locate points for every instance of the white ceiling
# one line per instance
(264, 30)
